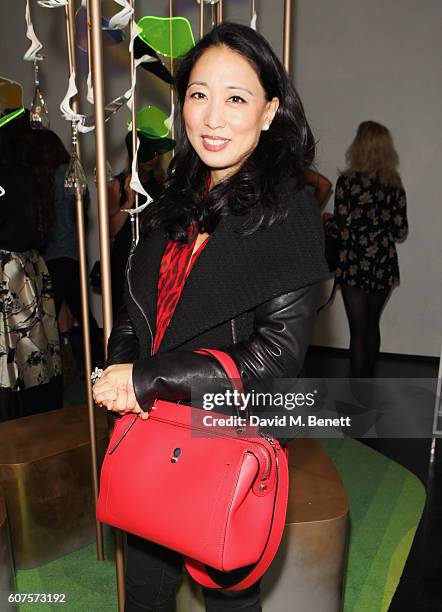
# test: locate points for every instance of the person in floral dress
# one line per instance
(369, 218)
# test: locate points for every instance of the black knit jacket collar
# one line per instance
(234, 273)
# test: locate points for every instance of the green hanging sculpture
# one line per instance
(170, 36)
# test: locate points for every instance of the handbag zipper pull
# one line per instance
(263, 485)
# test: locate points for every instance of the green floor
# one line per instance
(386, 503)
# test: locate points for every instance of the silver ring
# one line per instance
(96, 375)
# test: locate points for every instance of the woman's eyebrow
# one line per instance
(241, 88)
(204, 84)
(197, 83)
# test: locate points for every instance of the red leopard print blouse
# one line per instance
(175, 267)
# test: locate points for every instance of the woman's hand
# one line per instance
(114, 391)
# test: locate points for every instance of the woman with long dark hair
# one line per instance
(369, 218)
(231, 257)
(30, 364)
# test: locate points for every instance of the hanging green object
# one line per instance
(170, 36)
(151, 121)
(10, 116)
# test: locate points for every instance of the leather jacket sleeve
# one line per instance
(123, 346)
(276, 349)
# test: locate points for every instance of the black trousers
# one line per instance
(153, 575)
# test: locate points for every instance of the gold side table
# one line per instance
(7, 573)
(45, 478)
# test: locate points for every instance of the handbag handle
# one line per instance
(231, 369)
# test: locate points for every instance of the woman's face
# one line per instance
(225, 109)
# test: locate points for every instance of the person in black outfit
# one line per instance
(122, 197)
(369, 218)
(30, 361)
(235, 201)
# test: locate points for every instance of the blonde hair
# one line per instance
(373, 151)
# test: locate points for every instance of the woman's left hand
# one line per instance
(114, 390)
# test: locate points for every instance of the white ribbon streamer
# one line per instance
(90, 89)
(85, 123)
(253, 22)
(85, 129)
(32, 53)
(66, 109)
(110, 109)
(120, 20)
(129, 96)
(139, 208)
(169, 121)
(135, 33)
(129, 93)
(68, 112)
(145, 59)
(52, 3)
(141, 60)
(135, 182)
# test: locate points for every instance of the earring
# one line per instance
(265, 127)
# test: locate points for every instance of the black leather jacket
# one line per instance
(276, 349)
(254, 296)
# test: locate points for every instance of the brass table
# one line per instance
(7, 574)
(46, 483)
(308, 571)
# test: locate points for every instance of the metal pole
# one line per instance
(134, 112)
(201, 18)
(287, 33)
(100, 142)
(84, 286)
(253, 7)
(219, 12)
(172, 132)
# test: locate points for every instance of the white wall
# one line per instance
(353, 60)
(357, 60)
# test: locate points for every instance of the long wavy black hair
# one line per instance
(287, 149)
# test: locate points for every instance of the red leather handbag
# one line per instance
(215, 496)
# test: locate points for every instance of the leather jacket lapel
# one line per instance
(202, 292)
